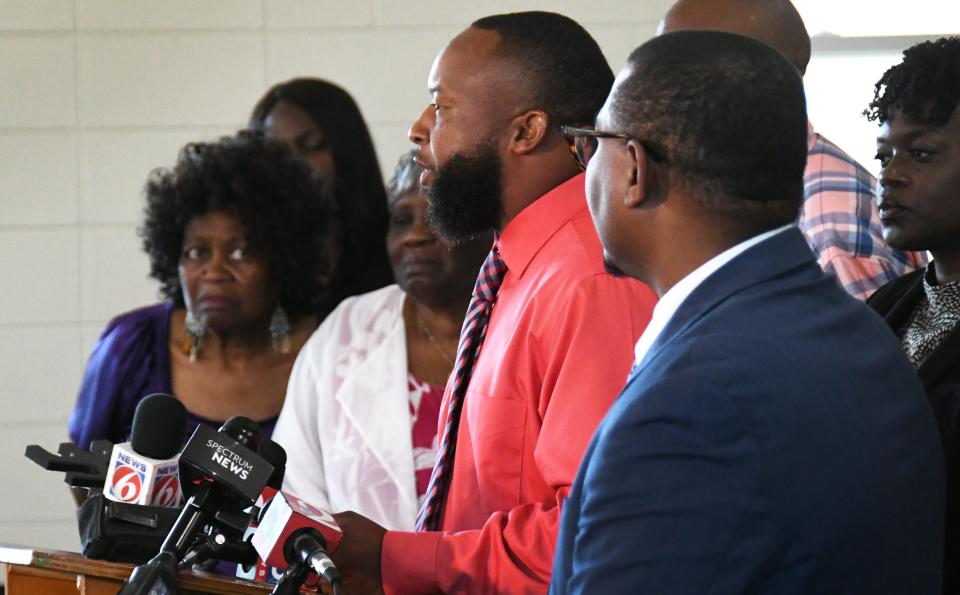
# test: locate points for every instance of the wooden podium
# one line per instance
(43, 572)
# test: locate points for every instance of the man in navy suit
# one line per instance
(772, 437)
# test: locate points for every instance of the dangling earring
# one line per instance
(280, 330)
(195, 333)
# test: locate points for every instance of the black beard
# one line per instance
(465, 200)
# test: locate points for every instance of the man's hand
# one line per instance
(358, 555)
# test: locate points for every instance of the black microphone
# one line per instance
(228, 537)
(306, 551)
(221, 473)
(141, 470)
(144, 470)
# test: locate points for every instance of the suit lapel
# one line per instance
(769, 258)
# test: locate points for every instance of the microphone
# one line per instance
(221, 473)
(228, 539)
(261, 572)
(144, 470)
(297, 536)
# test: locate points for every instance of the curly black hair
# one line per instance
(925, 85)
(275, 196)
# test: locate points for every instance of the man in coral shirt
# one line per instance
(558, 343)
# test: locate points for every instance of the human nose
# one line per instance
(894, 174)
(217, 267)
(419, 133)
(419, 233)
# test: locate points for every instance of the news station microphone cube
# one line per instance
(212, 455)
(287, 514)
(136, 479)
(260, 572)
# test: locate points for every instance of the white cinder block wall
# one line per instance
(95, 93)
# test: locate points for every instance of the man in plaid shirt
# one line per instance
(839, 216)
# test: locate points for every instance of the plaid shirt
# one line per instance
(840, 221)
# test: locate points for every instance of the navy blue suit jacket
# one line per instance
(774, 440)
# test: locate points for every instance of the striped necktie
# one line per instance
(471, 337)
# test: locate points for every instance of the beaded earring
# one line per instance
(280, 330)
(195, 333)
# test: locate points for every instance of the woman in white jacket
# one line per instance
(360, 419)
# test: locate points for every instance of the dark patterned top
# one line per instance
(932, 320)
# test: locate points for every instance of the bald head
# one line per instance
(773, 22)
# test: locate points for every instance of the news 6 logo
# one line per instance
(127, 483)
(165, 491)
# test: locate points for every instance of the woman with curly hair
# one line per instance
(238, 237)
(917, 104)
(322, 125)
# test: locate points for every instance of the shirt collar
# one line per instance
(533, 226)
(675, 296)
(811, 136)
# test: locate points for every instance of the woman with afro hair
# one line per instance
(917, 104)
(239, 235)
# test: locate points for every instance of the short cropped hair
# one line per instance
(275, 196)
(924, 86)
(565, 71)
(728, 112)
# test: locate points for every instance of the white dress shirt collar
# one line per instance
(676, 295)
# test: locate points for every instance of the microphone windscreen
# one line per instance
(276, 456)
(244, 430)
(159, 426)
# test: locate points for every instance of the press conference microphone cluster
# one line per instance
(298, 537)
(222, 474)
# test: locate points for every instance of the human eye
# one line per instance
(239, 253)
(922, 154)
(315, 145)
(400, 219)
(192, 253)
(400, 216)
(883, 156)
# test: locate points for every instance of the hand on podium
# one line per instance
(358, 555)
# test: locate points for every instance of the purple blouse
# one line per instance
(130, 361)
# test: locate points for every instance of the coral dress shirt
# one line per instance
(557, 351)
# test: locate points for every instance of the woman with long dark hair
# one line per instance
(322, 125)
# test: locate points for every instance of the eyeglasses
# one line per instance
(583, 143)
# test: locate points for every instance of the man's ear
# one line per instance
(528, 131)
(643, 178)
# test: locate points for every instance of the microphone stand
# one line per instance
(293, 578)
(159, 575)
